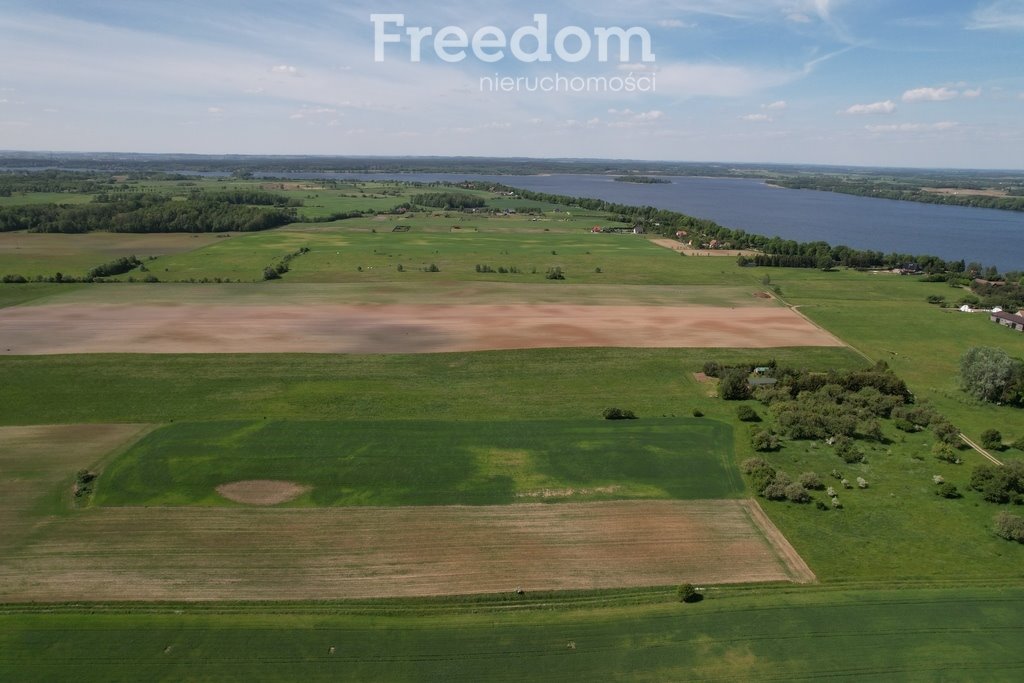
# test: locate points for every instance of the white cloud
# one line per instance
(215, 110)
(719, 80)
(798, 18)
(285, 70)
(675, 23)
(1002, 15)
(756, 118)
(971, 94)
(930, 95)
(912, 127)
(886, 107)
(631, 119)
(775, 106)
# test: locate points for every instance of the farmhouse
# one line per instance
(1014, 322)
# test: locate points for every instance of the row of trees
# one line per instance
(145, 214)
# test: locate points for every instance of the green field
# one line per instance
(429, 463)
(969, 634)
(911, 586)
(500, 385)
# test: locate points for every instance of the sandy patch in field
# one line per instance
(261, 491)
(324, 328)
(311, 554)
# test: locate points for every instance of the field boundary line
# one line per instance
(799, 570)
(981, 450)
(796, 309)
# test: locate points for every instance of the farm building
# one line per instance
(1014, 322)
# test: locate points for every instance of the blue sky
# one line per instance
(865, 82)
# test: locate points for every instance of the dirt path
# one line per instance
(324, 328)
(992, 458)
(799, 571)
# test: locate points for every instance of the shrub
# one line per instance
(830, 492)
(1019, 444)
(811, 481)
(697, 412)
(848, 451)
(774, 491)
(764, 440)
(836, 474)
(797, 493)
(999, 484)
(733, 386)
(904, 425)
(432, 268)
(820, 505)
(712, 369)
(946, 432)
(751, 465)
(946, 453)
(270, 273)
(992, 439)
(836, 505)
(947, 490)
(1010, 527)
(747, 414)
(862, 482)
(555, 273)
(687, 592)
(618, 414)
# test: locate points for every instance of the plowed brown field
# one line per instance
(253, 554)
(188, 328)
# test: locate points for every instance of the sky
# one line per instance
(914, 83)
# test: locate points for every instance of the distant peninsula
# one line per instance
(642, 180)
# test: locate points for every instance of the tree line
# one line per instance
(146, 214)
(902, 192)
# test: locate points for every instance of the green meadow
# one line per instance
(430, 463)
(916, 634)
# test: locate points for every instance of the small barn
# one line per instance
(1014, 322)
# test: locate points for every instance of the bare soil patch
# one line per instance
(323, 328)
(261, 491)
(308, 554)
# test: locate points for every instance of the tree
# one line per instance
(986, 372)
(747, 414)
(1010, 527)
(764, 440)
(992, 439)
(733, 386)
(687, 592)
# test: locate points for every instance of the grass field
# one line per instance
(886, 317)
(38, 466)
(972, 634)
(535, 384)
(45, 254)
(430, 463)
